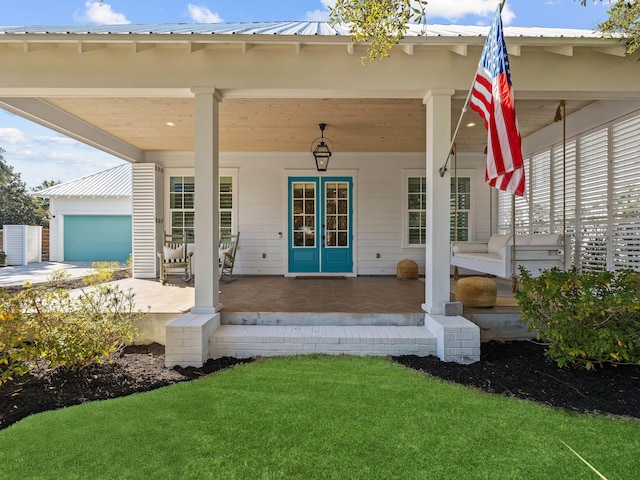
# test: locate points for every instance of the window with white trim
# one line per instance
(460, 209)
(181, 206)
(416, 213)
(226, 206)
(416, 209)
(182, 202)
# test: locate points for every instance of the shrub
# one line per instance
(47, 328)
(101, 272)
(586, 317)
(13, 340)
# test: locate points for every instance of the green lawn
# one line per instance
(322, 417)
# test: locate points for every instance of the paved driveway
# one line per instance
(39, 272)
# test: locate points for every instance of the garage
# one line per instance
(97, 237)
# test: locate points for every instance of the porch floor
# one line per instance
(359, 295)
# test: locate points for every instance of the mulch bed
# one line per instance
(517, 369)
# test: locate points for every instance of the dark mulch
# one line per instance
(139, 369)
(520, 369)
(517, 369)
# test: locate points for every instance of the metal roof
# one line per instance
(114, 182)
(304, 28)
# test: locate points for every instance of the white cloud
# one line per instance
(449, 9)
(320, 15)
(12, 136)
(453, 10)
(201, 14)
(101, 14)
(56, 140)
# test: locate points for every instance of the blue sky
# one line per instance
(39, 154)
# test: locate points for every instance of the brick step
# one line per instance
(322, 319)
(243, 341)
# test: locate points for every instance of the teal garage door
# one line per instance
(97, 237)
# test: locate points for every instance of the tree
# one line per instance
(17, 207)
(43, 203)
(383, 23)
(624, 21)
(379, 23)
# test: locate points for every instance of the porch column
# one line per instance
(207, 199)
(438, 102)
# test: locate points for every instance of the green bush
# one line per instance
(14, 340)
(44, 328)
(101, 272)
(586, 317)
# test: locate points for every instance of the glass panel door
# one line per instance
(320, 225)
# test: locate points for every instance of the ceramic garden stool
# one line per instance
(407, 270)
(476, 292)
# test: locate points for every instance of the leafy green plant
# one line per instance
(57, 278)
(101, 272)
(3, 258)
(13, 340)
(379, 24)
(43, 328)
(586, 317)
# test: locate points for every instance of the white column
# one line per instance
(438, 104)
(207, 199)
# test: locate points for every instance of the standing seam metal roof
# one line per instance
(304, 28)
(114, 182)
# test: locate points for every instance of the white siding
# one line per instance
(147, 184)
(378, 207)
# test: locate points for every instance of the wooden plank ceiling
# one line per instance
(290, 125)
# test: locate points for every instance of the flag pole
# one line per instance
(443, 169)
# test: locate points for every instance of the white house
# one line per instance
(218, 121)
(91, 217)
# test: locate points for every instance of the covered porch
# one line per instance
(192, 107)
(356, 308)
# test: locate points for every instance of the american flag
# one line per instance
(492, 98)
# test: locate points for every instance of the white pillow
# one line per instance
(174, 254)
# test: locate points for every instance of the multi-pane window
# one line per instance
(226, 206)
(181, 206)
(182, 203)
(460, 208)
(417, 210)
(304, 214)
(337, 214)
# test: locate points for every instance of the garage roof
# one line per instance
(114, 182)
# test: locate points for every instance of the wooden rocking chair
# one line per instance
(227, 256)
(174, 258)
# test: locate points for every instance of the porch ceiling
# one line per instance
(289, 125)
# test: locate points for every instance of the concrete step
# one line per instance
(242, 341)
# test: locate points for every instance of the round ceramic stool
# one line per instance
(476, 292)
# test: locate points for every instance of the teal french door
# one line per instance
(320, 225)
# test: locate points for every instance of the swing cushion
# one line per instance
(535, 252)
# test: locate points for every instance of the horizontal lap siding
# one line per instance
(381, 212)
(262, 213)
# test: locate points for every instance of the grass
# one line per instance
(318, 417)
